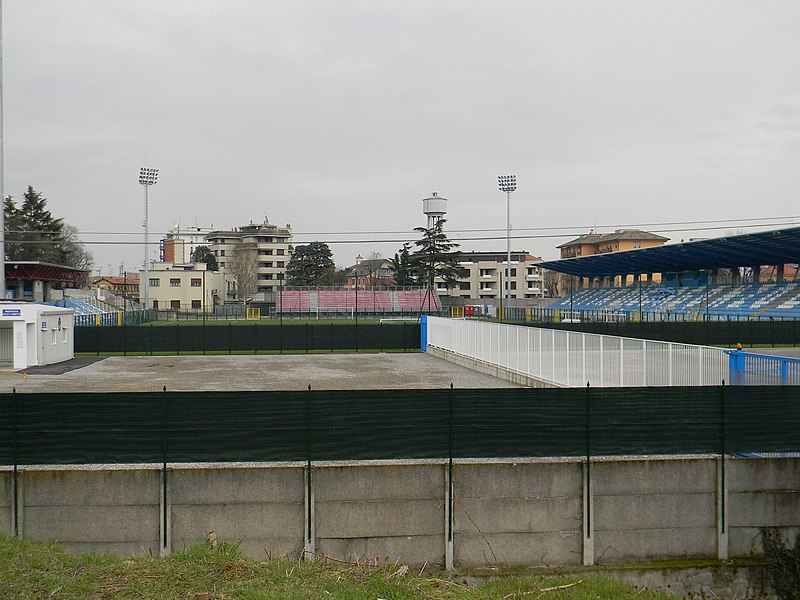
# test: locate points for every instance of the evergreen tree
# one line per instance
(436, 257)
(42, 232)
(401, 268)
(32, 233)
(311, 265)
(204, 254)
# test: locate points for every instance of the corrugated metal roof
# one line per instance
(775, 247)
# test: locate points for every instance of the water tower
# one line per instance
(435, 207)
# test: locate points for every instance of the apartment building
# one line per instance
(485, 272)
(602, 243)
(271, 245)
(179, 244)
(185, 286)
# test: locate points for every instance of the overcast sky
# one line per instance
(342, 116)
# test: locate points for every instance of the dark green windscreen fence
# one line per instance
(230, 338)
(715, 333)
(394, 424)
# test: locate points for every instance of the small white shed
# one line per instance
(35, 334)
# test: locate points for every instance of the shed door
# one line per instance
(6, 344)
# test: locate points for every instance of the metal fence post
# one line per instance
(15, 452)
(165, 510)
(310, 534)
(448, 559)
(588, 539)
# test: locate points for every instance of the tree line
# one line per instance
(433, 257)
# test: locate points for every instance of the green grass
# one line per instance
(31, 571)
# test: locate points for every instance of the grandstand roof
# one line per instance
(30, 270)
(775, 247)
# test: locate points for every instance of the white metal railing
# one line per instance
(575, 359)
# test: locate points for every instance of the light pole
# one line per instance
(508, 183)
(147, 177)
(2, 172)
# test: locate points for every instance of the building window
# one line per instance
(155, 282)
(155, 304)
(513, 272)
(279, 251)
(280, 263)
(195, 303)
(222, 252)
(463, 286)
(175, 304)
(268, 264)
(268, 252)
(513, 285)
(197, 282)
(174, 282)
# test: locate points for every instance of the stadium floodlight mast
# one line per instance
(508, 183)
(147, 177)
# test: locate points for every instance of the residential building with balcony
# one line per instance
(271, 244)
(484, 276)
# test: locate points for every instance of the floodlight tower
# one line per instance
(147, 177)
(508, 183)
(435, 208)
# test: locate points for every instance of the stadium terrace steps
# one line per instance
(764, 299)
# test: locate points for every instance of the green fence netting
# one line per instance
(724, 333)
(308, 337)
(395, 424)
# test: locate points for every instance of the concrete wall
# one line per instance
(381, 512)
(545, 512)
(262, 508)
(517, 514)
(654, 509)
(761, 493)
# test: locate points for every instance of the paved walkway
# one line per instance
(258, 372)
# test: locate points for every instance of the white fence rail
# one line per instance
(573, 359)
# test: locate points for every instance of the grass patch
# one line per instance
(30, 570)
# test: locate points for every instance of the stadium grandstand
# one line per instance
(748, 276)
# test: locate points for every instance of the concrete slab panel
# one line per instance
(764, 509)
(91, 487)
(763, 474)
(518, 480)
(517, 549)
(517, 515)
(378, 518)
(92, 523)
(233, 522)
(410, 550)
(215, 486)
(746, 541)
(647, 544)
(654, 476)
(654, 511)
(6, 493)
(379, 482)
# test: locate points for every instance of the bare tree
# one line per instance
(553, 283)
(75, 253)
(244, 267)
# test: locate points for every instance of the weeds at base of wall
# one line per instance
(783, 563)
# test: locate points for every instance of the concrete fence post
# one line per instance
(448, 504)
(588, 505)
(309, 526)
(165, 522)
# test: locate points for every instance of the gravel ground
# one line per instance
(257, 372)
